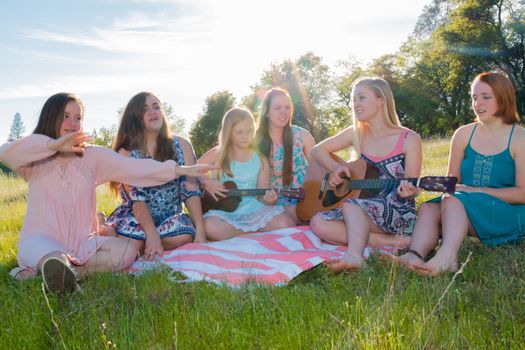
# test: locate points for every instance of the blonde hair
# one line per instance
(381, 88)
(231, 118)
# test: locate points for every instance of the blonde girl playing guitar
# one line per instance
(379, 139)
(239, 162)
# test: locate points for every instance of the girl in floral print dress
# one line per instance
(287, 146)
(153, 217)
(379, 139)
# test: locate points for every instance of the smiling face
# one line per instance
(152, 118)
(365, 103)
(72, 121)
(280, 111)
(242, 133)
(484, 102)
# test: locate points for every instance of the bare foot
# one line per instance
(346, 263)
(408, 259)
(437, 265)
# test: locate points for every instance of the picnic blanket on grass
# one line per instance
(274, 257)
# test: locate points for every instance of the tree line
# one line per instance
(430, 75)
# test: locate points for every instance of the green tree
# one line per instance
(310, 85)
(205, 130)
(17, 128)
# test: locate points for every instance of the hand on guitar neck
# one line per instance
(357, 179)
(231, 196)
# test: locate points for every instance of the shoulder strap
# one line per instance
(472, 133)
(510, 136)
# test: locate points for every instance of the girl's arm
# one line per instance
(191, 194)
(142, 213)
(263, 181)
(214, 187)
(458, 144)
(110, 166)
(413, 150)
(17, 155)
(308, 144)
(413, 155)
(515, 194)
(321, 152)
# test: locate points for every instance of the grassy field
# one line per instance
(381, 307)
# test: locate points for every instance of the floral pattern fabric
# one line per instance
(299, 167)
(164, 203)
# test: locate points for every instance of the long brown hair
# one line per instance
(131, 132)
(52, 114)
(263, 141)
(230, 119)
(504, 93)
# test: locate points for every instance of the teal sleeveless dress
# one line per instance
(251, 214)
(494, 220)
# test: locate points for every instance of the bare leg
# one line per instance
(217, 229)
(455, 228)
(116, 254)
(102, 229)
(170, 243)
(424, 238)
(332, 231)
(358, 229)
(277, 222)
(290, 210)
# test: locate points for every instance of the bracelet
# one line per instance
(412, 251)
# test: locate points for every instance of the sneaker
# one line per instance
(58, 277)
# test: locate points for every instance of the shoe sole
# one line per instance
(58, 277)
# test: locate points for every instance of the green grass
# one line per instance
(381, 307)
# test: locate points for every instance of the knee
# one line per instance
(128, 257)
(282, 221)
(317, 225)
(349, 207)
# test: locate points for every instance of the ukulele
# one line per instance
(364, 183)
(234, 196)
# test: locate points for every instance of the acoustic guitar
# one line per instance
(363, 183)
(234, 196)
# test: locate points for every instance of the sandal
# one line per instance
(58, 277)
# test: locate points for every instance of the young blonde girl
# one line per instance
(379, 139)
(239, 162)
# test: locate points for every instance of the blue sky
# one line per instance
(183, 50)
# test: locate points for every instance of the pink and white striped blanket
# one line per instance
(270, 258)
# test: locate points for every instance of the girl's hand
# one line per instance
(153, 246)
(194, 170)
(336, 176)
(70, 143)
(407, 189)
(215, 188)
(270, 197)
(465, 188)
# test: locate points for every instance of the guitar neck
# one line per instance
(248, 192)
(376, 184)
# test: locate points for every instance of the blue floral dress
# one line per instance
(388, 211)
(299, 166)
(164, 203)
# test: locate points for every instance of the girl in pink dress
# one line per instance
(58, 234)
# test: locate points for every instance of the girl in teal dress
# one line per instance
(286, 146)
(239, 162)
(488, 157)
